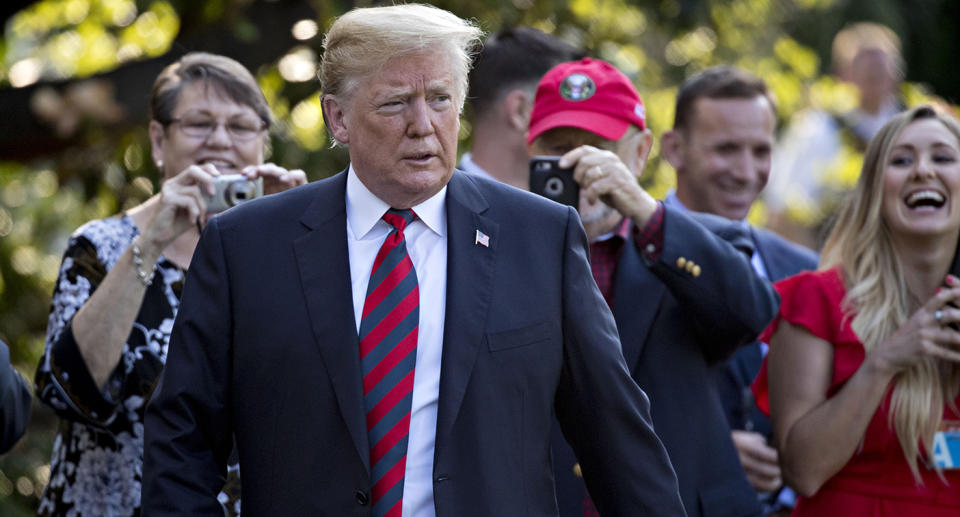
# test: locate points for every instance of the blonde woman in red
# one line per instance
(862, 377)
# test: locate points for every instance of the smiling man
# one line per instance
(721, 146)
(379, 343)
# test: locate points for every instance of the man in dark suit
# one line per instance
(14, 402)
(721, 146)
(684, 297)
(399, 337)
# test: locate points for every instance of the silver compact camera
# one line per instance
(232, 190)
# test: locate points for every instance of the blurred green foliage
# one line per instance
(102, 171)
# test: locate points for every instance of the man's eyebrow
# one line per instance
(393, 91)
(440, 84)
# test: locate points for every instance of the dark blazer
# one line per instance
(265, 346)
(14, 402)
(674, 326)
(781, 258)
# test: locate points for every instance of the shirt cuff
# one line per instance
(649, 239)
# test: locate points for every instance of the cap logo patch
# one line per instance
(577, 87)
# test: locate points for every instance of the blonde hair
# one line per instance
(860, 245)
(362, 41)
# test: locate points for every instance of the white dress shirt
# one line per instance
(426, 239)
(469, 166)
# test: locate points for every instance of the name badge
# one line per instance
(946, 445)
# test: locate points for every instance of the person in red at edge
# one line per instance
(862, 377)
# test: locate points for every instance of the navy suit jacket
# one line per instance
(265, 348)
(781, 258)
(674, 326)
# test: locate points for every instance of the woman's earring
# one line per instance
(159, 165)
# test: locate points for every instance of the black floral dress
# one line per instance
(97, 461)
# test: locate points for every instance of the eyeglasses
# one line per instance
(241, 128)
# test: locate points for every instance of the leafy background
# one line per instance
(75, 77)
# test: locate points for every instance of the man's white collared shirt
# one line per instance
(426, 240)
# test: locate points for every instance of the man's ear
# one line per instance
(335, 118)
(644, 145)
(518, 105)
(671, 148)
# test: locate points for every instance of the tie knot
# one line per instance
(399, 219)
(743, 241)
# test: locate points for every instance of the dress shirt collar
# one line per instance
(364, 208)
(622, 230)
(674, 202)
(467, 164)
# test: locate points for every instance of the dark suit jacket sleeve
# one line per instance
(187, 433)
(602, 412)
(728, 304)
(781, 258)
(14, 402)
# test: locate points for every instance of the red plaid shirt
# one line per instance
(604, 256)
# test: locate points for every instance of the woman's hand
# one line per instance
(928, 333)
(816, 435)
(275, 178)
(181, 205)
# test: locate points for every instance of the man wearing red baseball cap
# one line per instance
(683, 294)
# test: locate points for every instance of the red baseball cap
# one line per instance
(589, 94)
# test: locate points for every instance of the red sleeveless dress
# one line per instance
(876, 481)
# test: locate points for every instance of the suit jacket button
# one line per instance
(695, 271)
(681, 262)
(362, 497)
(577, 471)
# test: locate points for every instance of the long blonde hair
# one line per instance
(877, 295)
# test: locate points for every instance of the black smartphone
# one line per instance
(552, 182)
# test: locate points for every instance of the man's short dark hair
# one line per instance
(719, 82)
(512, 58)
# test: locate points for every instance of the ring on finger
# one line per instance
(938, 315)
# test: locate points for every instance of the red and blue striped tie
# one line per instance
(388, 355)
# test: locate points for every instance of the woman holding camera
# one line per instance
(863, 373)
(120, 281)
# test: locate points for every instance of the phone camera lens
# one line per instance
(553, 186)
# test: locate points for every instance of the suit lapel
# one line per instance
(324, 264)
(636, 302)
(469, 289)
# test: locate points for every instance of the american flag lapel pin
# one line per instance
(482, 239)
